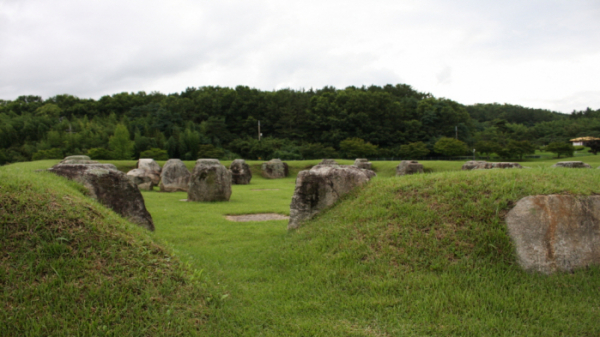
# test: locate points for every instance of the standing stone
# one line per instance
(142, 179)
(362, 163)
(148, 164)
(320, 187)
(501, 165)
(409, 167)
(174, 177)
(572, 164)
(111, 188)
(472, 164)
(275, 169)
(151, 168)
(210, 181)
(240, 172)
(556, 232)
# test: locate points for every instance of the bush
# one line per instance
(210, 151)
(317, 151)
(48, 154)
(450, 147)
(357, 148)
(559, 148)
(413, 150)
(156, 154)
(99, 153)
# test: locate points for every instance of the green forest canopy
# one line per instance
(296, 124)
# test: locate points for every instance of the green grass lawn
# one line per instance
(416, 255)
(353, 272)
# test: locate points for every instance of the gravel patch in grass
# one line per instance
(257, 217)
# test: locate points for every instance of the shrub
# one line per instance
(357, 148)
(155, 153)
(55, 153)
(99, 153)
(317, 151)
(210, 151)
(561, 148)
(450, 147)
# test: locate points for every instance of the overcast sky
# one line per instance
(543, 54)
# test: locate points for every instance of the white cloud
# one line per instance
(534, 53)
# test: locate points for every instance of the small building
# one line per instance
(582, 140)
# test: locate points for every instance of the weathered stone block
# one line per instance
(210, 181)
(174, 176)
(320, 187)
(501, 165)
(362, 163)
(556, 232)
(240, 172)
(275, 169)
(409, 167)
(571, 164)
(111, 188)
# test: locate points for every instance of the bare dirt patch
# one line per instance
(257, 217)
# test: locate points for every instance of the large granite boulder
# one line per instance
(240, 172)
(409, 167)
(501, 165)
(362, 163)
(556, 232)
(151, 168)
(472, 164)
(320, 187)
(111, 188)
(572, 164)
(174, 176)
(275, 169)
(210, 181)
(142, 179)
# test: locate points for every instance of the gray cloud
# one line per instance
(94, 48)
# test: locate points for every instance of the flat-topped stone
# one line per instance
(409, 167)
(275, 169)
(240, 172)
(328, 162)
(210, 181)
(472, 164)
(78, 160)
(362, 163)
(572, 164)
(500, 165)
(142, 179)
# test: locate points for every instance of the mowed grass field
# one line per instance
(415, 255)
(330, 279)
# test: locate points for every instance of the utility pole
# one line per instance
(259, 134)
(456, 131)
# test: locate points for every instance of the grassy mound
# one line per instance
(430, 254)
(69, 266)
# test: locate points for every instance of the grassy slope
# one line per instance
(69, 266)
(415, 255)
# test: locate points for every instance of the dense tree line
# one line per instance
(295, 124)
